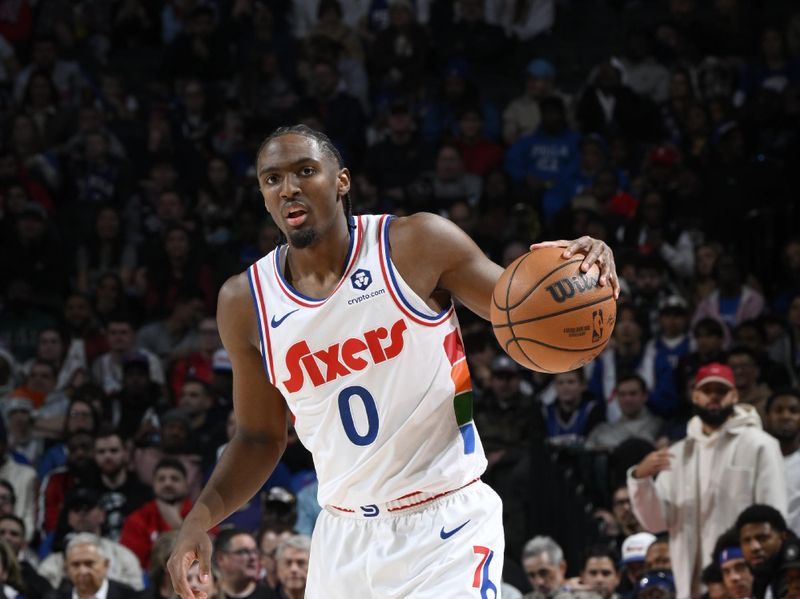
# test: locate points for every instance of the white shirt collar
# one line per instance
(102, 592)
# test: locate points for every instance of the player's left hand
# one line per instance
(595, 252)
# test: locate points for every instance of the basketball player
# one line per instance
(350, 325)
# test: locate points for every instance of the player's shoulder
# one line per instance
(420, 227)
(235, 287)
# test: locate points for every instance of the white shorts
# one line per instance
(443, 547)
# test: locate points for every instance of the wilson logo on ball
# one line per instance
(563, 289)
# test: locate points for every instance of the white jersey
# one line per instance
(376, 380)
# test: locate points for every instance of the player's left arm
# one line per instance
(442, 256)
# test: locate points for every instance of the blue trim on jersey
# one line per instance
(258, 320)
(353, 234)
(390, 268)
(468, 434)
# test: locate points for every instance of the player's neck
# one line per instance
(324, 257)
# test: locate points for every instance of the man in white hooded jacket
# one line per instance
(725, 463)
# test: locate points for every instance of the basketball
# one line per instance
(548, 315)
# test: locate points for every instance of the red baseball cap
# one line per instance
(714, 373)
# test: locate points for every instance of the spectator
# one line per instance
(106, 249)
(81, 416)
(83, 514)
(12, 531)
(656, 584)
(703, 283)
(11, 581)
(762, 533)
(165, 512)
(174, 336)
(79, 471)
(132, 408)
(87, 567)
(480, 154)
(199, 363)
(672, 341)
(736, 576)
(450, 183)
(656, 232)
(747, 374)
(599, 572)
(120, 490)
(622, 512)
(173, 437)
(690, 498)
(270, 536)
(160, 586)
(635, 420)
(543, 159)
(708, 339)
(175, 270)
(574, 413)
(751, 335)
(236, 556)
(783, 423)
(608, 107)
(712, 579)
(657, 557)
(523, 114)
(545, 567)
(503, 410)
(292, 558)
(627, 354)
(18, 413)
(732, 302)
(340, 114)
(22, 480)
(634, 555)
(107, 369)
(398, 160)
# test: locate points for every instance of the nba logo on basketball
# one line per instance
(597, 325)
(361, 279)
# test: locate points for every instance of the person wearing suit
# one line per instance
(87, 570)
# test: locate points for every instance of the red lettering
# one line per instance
(300, 358)
(396, 347)
(350, 348)
(373, 342)
(331, 359)
(296, 378)
(313, 370)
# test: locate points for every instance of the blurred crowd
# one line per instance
(668, 128)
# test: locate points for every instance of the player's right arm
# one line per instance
(256, 446)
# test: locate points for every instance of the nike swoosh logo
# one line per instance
(449, 533)
(276, 323)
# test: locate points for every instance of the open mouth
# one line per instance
(296, 216)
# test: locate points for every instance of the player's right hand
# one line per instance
(653, 463)
(192, 545)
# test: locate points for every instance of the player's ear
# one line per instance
(343, 183)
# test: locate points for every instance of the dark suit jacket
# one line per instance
(116, 590)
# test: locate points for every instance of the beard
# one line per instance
(303, 238)
(714, 417)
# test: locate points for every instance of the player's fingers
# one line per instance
(549, 244)
(178, 567)
(595, 255)
(582, 245)
(204, 557)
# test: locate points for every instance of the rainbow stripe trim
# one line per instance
(462, 400)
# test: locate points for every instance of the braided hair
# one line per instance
(327, 146)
